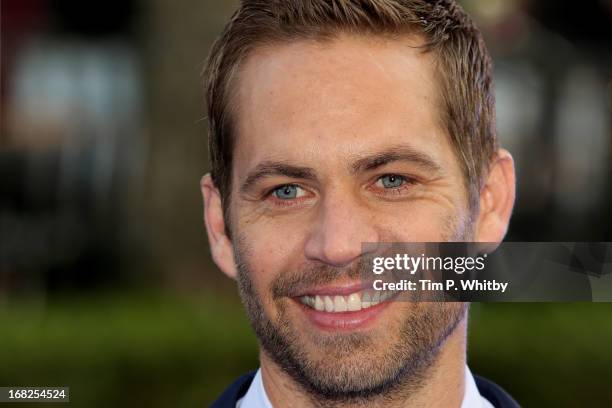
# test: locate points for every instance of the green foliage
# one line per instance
(129, 350)
(156, 351)
(545, 354)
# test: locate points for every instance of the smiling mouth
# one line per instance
(353, 302)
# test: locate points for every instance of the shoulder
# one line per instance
(234, 392)
(495, 394)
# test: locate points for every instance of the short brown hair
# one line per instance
(463, 67)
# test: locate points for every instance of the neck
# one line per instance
(444, 387)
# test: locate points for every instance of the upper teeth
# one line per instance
(353, 302)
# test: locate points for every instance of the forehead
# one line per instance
(313, 101)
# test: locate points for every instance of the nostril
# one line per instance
(338, 250)
(338, 234)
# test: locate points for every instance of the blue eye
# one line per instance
(392, 181)
(287, 192)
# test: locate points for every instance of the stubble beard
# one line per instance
(358, 367)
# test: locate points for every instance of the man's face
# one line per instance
(340, 143)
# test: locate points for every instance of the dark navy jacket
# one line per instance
(488, 389)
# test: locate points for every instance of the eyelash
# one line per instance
(408, 183)
(283, 203)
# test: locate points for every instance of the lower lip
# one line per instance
(344, 321)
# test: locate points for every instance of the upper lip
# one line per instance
(336, 289)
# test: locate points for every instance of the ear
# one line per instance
(221, 246)
(497, 199)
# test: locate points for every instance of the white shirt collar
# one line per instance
(256, 396)
(472, 397)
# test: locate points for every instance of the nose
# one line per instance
(341, 226)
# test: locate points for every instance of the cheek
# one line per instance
(274, 248)
(424, 221)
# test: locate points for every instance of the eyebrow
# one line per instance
(367, 162)
(271, 168)
(393, 154)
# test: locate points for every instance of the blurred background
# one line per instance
(106, 283)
